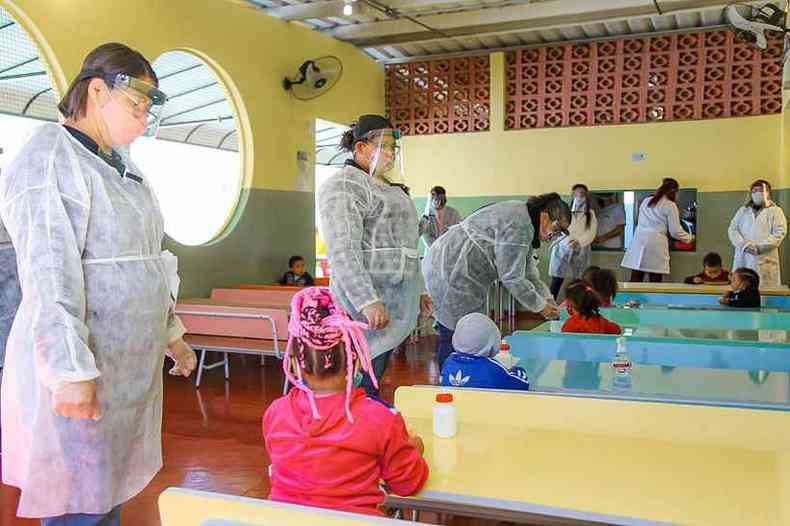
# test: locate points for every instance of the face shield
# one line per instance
(761, 194)
(386, 159)
(142, 99)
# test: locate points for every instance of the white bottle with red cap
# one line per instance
(444, 423)
(504, 357)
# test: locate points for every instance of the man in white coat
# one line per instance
(756, 232)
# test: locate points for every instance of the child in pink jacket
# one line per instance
(330, 445)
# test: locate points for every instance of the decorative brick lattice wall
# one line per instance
(440, 96)
(702, 75)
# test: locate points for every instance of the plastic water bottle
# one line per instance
(444, 422)
(622, 366)
(504, 357)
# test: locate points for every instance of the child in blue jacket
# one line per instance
(476, 342)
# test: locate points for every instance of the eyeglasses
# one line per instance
(392, 148)
(140, 107)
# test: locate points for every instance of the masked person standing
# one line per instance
(570, 254)
(756, 232)
(82, 387)
(370, 226)
(438, 217)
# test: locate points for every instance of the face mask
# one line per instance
(758, 198)
(578, 203)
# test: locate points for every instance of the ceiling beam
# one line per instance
(535, 16)
(538, 44)
(334, 8)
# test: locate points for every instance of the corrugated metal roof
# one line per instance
(25, 84)
(397, 30)
(197, 110)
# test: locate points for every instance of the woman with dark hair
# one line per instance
(570, 254)
(495, 243)
(371, 232)
(82, 389)
(438, 217)
(756, 232)
(659, 219)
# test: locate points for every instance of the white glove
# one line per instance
(184, 357)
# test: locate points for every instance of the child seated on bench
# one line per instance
(476, 341)
(297, 276)
(329, 443)
(745, 293)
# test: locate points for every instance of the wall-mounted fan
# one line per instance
(315, 78)
(752, 25)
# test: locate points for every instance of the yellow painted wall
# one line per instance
(250, 49)
(711, 155)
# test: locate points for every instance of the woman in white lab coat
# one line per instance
(756, 232)
(659, 220)
(570, 254)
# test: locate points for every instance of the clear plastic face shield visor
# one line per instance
(386, 157)
(141, 98)
(761, 194)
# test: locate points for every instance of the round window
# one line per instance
(194, 163)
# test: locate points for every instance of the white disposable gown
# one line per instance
(494, 243)
(371, 234)
(649, 250)
(430, 229)
(567, 261)
(96, 305)
(10, 293)
(766, 230)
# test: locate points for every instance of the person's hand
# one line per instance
(574, 244)
(551, 311)
(76, 400)
(184, 357)
(750, 248)
(426, 305)
(377, 315)
(698, 280)
(416, 441)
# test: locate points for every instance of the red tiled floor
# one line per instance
(212, 436)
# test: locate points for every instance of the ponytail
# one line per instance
(584, 299)
(347, 140)
(668, 186)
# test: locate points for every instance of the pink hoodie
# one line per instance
(332, 463)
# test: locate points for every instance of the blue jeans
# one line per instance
(113, 518)
(379, 368)
(444, 344)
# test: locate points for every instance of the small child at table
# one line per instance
(604, 283)
(476, 341)
(745, 293)
(712, 272)
(583, 307)
(331, 445)
(297, 276)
